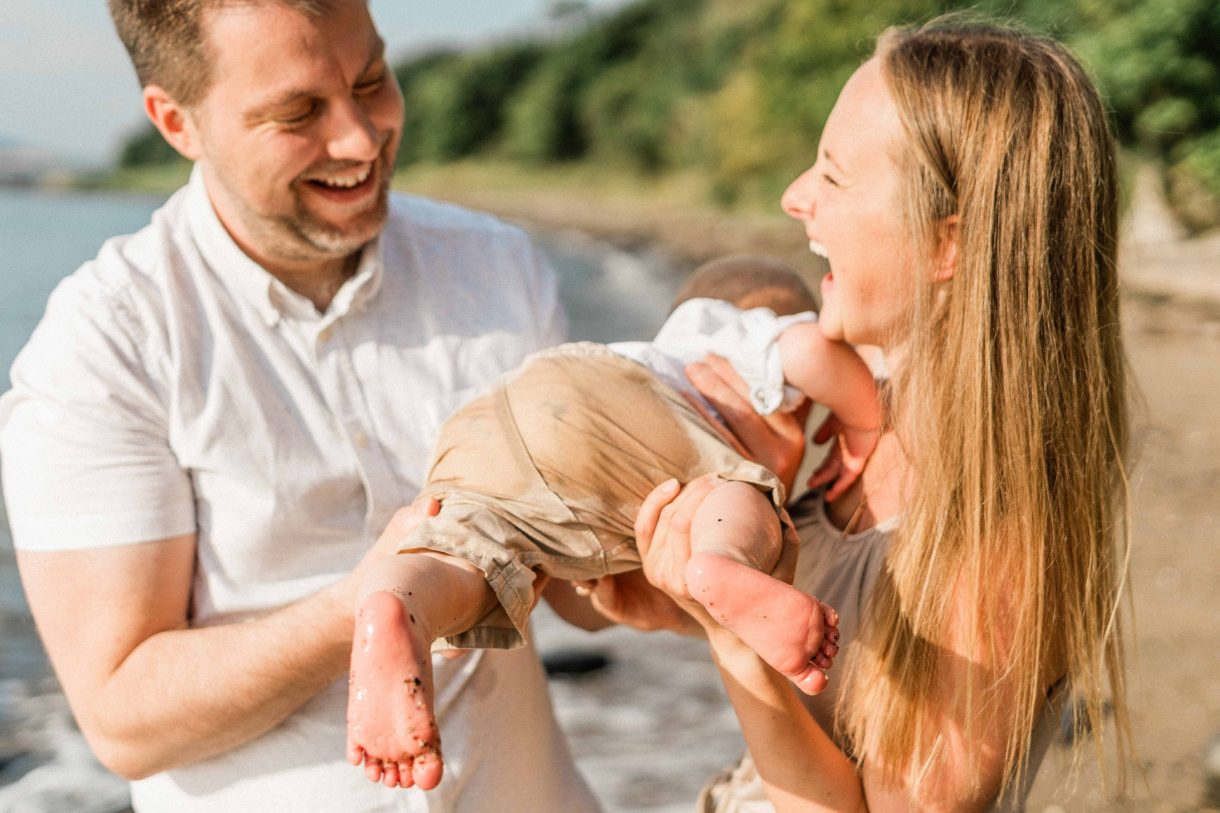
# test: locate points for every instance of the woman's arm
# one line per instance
(800, 766)
(802, 769)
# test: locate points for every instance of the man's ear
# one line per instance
(173, 121)
(947, 240)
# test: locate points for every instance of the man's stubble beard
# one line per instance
(312, 237)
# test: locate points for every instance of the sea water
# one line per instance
(646, 731)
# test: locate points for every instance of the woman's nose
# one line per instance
(799, 198)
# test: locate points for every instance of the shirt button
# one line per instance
(361, 440)
(325, 333)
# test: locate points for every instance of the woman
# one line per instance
(964, 195)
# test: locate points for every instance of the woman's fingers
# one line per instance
(776, 441)
(828, 429)
(649, 516)
(629, 598)
(720, 384)
(715, 423)
(663, 533)
(828, 470)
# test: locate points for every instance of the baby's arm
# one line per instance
(831, 373)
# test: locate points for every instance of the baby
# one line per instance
(546, 473)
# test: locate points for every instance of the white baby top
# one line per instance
(747, 338)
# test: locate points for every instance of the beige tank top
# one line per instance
(840, 569)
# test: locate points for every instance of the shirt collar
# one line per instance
(273, 299)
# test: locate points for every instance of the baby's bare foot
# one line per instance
(391, 726)
(790, 630)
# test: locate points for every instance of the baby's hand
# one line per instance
(846, 458)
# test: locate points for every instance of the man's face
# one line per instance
(298, 130)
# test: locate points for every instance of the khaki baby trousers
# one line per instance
(547, 473)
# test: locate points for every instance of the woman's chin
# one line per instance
(831, 326)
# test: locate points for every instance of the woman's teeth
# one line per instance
(817, 248)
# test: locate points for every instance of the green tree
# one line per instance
(146, 148)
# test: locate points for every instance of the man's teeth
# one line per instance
(817, 248)
(345, 181)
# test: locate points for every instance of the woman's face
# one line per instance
(849, 204)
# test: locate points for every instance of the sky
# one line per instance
(67, 87)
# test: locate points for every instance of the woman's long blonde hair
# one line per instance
(1010, 403)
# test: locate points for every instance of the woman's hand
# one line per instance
(662, 535)
(776, 441)
(655, 597)
(845, 459)
(628, 598)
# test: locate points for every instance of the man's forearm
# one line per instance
(185, 695)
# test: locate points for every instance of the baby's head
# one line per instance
(749, 281)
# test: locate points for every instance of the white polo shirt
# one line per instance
(173, 386)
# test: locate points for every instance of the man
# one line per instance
(219, 415)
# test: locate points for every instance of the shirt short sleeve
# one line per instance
(83, 434)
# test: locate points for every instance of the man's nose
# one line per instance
(353, 136)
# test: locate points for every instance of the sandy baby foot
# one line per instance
(790, 630)
(391, 726)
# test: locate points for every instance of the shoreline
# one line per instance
(1160, 266)
(673, 215)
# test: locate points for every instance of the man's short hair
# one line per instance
(164, 39)
(749, 281)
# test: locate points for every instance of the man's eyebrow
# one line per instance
(376, 54)
(285, 99)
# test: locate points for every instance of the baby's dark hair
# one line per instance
(749, 281)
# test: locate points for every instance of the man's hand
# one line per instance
(776, 441)
(404, 521)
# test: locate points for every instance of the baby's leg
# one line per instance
(410, 601)
(735, 542)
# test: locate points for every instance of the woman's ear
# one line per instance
(172, 120)
(947, 234)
